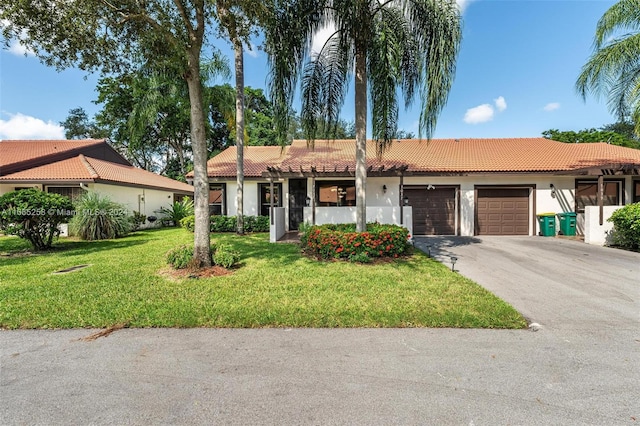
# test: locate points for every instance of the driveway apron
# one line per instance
(559, 283)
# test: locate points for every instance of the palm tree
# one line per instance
(614, 67)
(411, 45)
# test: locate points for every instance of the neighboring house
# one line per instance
(70, 167)
(450, 186)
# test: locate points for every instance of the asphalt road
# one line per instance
(581, 367)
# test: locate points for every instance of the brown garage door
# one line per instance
(502, 211)
(433, 210)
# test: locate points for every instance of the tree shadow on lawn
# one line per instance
(257, 246)
(64, 248)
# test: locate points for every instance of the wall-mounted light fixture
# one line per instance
(384, 189)
(430, 187)
(553, 190)
(405, 200)
(307, 202)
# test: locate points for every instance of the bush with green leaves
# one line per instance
(176, 212)
(99, 218)
(181, 257)
(341, 241)
(229, 223)
(34, 215)
(626, 226)
(225, 256)
(137, 220)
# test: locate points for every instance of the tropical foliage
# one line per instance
(613, 70)
(99, 218)
(228, 223)
(342, 242)
(34, 215)
(626, 223)
(173, 214)
(410, 45)
(593, 135)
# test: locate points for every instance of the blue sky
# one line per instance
(515, 77)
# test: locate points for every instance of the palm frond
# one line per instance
(623, 15)
(324, 86)
(436, 27)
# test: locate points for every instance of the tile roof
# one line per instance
(18, 151)
(256, 159)
(515, 155)
(87, 169)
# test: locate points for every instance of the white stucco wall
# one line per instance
(594, 233)
(10, 187)
(144, 201)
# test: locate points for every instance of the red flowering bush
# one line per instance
(342, 242)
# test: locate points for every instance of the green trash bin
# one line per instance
(547, 222)
(567, 223)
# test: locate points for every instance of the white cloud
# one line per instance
(252, 51)
(501, 104)
(551, 106)
(15, 47)
(463, 4)
(321, 37)
(20, 126)
(480, 114)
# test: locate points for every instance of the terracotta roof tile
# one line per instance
(517, 155)
(255, 160)
(86, 169)
(17, 151)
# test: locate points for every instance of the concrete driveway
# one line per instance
(559, 283)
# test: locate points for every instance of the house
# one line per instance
(461, 187)
(69, 167)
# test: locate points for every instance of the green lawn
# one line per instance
(274, 286)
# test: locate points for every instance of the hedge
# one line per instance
(343, 242)
(626, 226)
(229, 223)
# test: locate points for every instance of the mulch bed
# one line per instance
(211, 271)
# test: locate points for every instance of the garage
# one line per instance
(433, 209)
(502, 211)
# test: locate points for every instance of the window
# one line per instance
(217, 195)
(335, 193)
(636, 191)
(587, 194)
(265, 197)
(72, 192)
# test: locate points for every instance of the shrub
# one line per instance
(188, 223)
(342, 242)
(223, 224)
(224, 256)
(176, 212)
(180, 257)
(99, 218)
(626, 223)
(34, 215)
(137, 220)
(228, 223)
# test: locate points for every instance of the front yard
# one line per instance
(274, 286)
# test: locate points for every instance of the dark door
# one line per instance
(502, 211)
(297, 201)
(433, 210)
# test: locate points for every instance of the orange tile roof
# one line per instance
(18, 151)
(86, 169)
(256, 158)
(517, 155)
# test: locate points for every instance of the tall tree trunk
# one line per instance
(239, 63)
(201, 236)
(361, 138)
